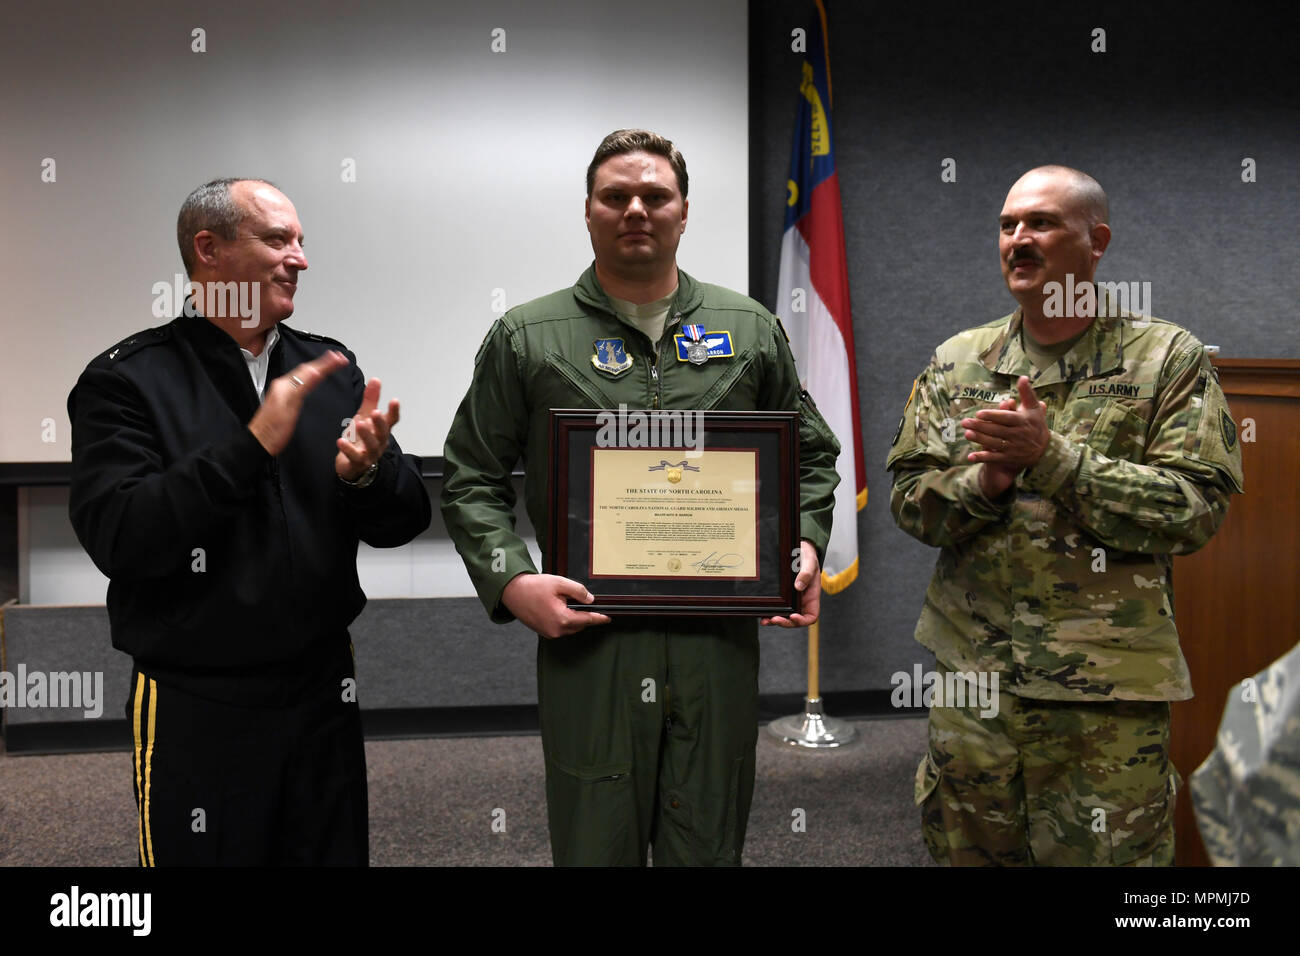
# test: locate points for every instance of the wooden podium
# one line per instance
(1237, 600)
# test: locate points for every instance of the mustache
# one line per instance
(1020, 257)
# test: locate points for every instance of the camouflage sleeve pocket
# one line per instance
(810, 417)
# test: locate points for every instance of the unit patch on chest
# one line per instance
(611, 356)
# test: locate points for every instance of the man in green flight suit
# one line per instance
(648, 724)
(1059, 456)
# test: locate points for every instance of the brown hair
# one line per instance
(638, 141)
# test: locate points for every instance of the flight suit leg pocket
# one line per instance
(702, 827)
(592, 814)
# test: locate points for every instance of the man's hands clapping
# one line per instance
(1013, 437)
(275, 421)
(371, 429)
(367, 438)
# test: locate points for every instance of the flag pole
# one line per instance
(812, 729)
(814, 633)
(814, 264)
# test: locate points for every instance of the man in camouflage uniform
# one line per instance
(1059, 456)
(649, 724)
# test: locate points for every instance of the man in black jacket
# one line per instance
(211, 484)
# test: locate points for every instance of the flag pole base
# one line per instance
(812, 729)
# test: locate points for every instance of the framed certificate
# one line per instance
(676, 512)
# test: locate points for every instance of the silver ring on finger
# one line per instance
(299, 383)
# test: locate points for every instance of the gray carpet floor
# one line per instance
(433, 803)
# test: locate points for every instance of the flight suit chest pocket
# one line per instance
(718, 384)
(564, 381)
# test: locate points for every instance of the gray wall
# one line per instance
(1162, 120)
(469, 168)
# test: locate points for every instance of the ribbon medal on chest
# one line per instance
(697, 350)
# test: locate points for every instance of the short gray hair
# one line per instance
(210, 207)
(1087, 192)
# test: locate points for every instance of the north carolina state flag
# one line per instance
(813, 299)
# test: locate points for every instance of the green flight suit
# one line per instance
(648, 724)
(1063, 586)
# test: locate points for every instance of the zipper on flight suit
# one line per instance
(657, 350)
(656, 399)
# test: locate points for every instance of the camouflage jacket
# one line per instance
(1063, 584)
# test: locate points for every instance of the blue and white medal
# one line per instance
(697, 352)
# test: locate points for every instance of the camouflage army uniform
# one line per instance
(623, 768)
(1062, 586)
(1247, 792)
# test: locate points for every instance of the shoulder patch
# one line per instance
(134, 343)
(903, 418)
(1229, 428)
(317, 337)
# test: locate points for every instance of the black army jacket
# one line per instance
(232, 573)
